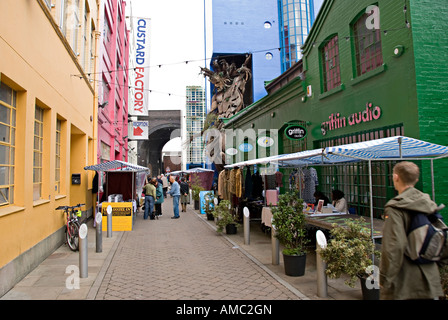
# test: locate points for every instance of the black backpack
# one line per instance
(427, 238)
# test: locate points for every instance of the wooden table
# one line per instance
(327, 222)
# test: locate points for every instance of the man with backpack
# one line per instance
(400, 277)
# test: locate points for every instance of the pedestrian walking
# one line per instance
(150, 195)
(159, 198)
(175, 193)
(184, 194)
(164, 184)
(401, 278)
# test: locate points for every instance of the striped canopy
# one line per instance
(116, 165)
(398, 147)
(193, 170)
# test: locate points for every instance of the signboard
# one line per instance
(139, 130)
(295, 132)
(140, 74)
(121, 215)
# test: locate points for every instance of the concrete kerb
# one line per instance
(99, 279)
(299, 294)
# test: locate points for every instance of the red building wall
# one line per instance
(113, 84)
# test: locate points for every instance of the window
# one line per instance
(70, 22)
(368, 49)
(353, 179)
(86, 39)
(8, 98)
(38, 153)
(330, 64)
(57, 178)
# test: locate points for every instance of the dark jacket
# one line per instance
(400, 278)
(184, 188)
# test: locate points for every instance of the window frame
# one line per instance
(38, 151)
(369, 61)
(11, 145)
(331, 78)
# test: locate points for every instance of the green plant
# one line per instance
(224, 215)
(349, 251)
(289, 222)
(195, 191)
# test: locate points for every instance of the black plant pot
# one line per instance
(294, 265)
(369, 294)
(196, 204)
(231, 229)
(210, 217)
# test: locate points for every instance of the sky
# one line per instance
(177, 35)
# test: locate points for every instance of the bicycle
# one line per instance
(72, 226)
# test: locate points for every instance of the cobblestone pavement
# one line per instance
(184, 259)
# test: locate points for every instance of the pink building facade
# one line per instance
(113, 83)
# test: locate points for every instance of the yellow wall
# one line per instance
(35, 60)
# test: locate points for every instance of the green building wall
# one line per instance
(430, 42)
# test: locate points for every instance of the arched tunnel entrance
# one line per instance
(164, 125)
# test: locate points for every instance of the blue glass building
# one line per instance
(296, 18)
(248, 26)
(261, 27)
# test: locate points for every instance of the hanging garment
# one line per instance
(271, 197)
(311, 181)
(279, 179)
(257, 185)
(248, 184)
(238, 183)
(270, 181)
(221, 182)
(232, 181)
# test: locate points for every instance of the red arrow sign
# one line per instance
(138, 132)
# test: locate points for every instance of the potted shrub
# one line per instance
(208, 206)
(350, 251)
(290, 230)
(195, 192)
(225, 218)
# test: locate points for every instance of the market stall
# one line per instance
(121, 185)
(201, 175)
(392, 149)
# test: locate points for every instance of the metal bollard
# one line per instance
(321, 241)
(83, 250)
(109, 221)
(246, 223)
(99, 232)
(275, 247)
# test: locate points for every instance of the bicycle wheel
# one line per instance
(72, 235)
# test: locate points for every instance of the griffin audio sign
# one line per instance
(295, 132)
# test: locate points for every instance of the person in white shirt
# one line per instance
(339, 202)
(164, 184)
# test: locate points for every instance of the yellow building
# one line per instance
(48, 124)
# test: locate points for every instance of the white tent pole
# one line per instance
(432, 181)
(371, 206)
